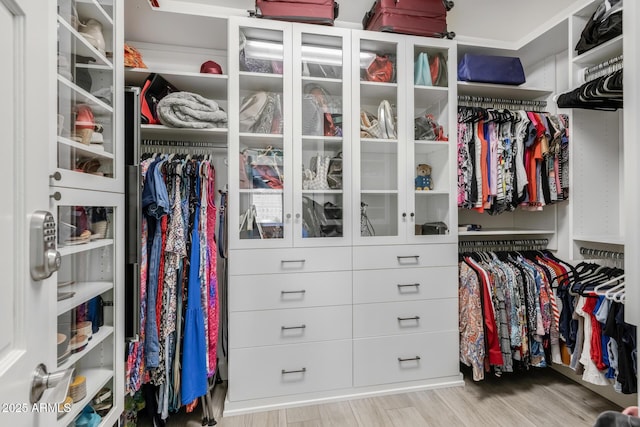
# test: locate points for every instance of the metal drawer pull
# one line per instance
(293, 260)
(408, 256)
(284, 328)
(293, 292)
(400, 286)
(299, 371)
(400, 319)
(400, 359)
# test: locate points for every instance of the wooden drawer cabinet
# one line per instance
(289, 369)
(404, 284)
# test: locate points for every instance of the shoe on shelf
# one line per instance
(92, 32)
(85, 123)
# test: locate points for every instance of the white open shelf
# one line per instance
(322, 191)
(430, 192)
(608, 240)
(84, 291)
(598, 54)
(502, 91)
(260, 81)
(84, 247)
(333, 86)
(162, 131)
(379, 191)
(83, 47)
(93, 9)
(94, 150)
(82, 96)
(210, 86)
(504, 232)
(96, 379)
(103, 333)
(260, 191)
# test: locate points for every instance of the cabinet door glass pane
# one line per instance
(262, 151)
(431, 145)
(85, 131)
(322, 136)
(379, 155)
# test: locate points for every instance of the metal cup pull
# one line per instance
(58, 382)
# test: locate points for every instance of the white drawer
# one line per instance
(404, 256)
(395, 358)
(277, 291)
(291, 326)
(269, 371)
(408, 317)
(404, 284)
(299, 260)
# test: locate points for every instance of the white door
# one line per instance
(27, 82)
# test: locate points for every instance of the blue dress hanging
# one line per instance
(194, 365)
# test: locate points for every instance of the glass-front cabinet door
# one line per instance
(86, 137)
(321, 136)
(431, 140)
(90, 287)
(379, 106)
(260, 133)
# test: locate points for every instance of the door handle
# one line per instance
(57, 381)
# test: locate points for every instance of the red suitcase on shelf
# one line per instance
(417, 17)
(308, 11)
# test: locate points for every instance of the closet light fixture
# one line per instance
(259, 49)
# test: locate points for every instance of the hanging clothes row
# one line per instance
(508, 313)
(602, 345)
(179, 307)
(509, 158)
(602, 93)
(523, 309)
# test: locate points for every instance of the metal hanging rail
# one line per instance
(503, 245)
(503, 103)
(601, 254)
(603, 69)
(176, 147)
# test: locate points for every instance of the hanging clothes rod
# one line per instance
(602, 254)
(605, 68)
(187, 144)
(502, 245)
(489, 102)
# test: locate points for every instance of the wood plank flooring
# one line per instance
(533, 399)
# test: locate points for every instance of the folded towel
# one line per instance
(190, 110)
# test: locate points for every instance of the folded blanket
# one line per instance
(190, 110)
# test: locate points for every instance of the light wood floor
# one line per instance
(536, 399)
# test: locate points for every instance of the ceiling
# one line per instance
(506, 20)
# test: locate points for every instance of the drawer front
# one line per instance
(404, 284)
(291, 326)
(277, 291)
(299, 260)
(395, 359)
(271, 371)
(409, 317)
(404, 256)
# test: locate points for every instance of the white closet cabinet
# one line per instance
(385, 165)
(314, 318)
(87, 187)
(88, 155)
(290, 314)
(405, 297)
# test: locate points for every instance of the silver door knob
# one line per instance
(58, 382)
